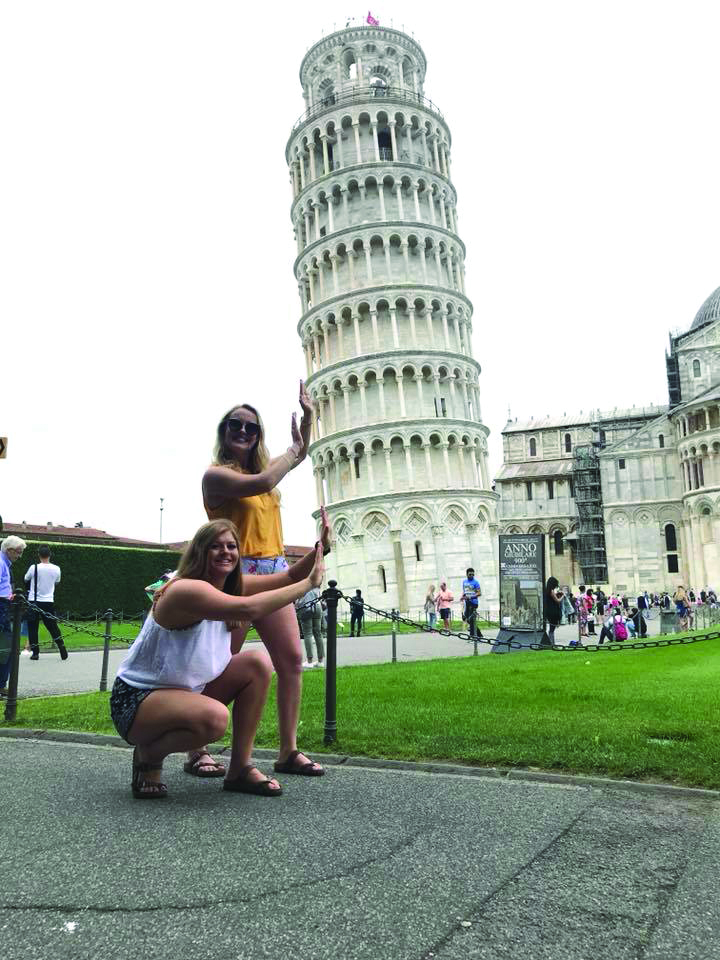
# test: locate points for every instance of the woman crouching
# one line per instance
(173, 688)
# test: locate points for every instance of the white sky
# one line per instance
(146, 247)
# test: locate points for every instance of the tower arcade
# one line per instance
(399, 450)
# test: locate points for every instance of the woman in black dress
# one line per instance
(553, 609)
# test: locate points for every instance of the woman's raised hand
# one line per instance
(318, 571)
(307, 413)
(325, 530)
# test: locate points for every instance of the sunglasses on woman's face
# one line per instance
(237, 426)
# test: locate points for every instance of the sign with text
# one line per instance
(522, 580)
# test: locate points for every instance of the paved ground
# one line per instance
(362, 863)
(81, 671)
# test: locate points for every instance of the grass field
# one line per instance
(77, 637)
(648, 714)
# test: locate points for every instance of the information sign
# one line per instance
(522, 580)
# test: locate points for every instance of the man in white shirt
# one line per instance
(42, 578)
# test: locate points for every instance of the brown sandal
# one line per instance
(139, 783)
(193, 766)
(241, 784)
(309, 769)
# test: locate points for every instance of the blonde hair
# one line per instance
(259, 455)
(12, 543)
(194, 561)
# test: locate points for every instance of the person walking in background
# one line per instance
(430, 608)
(572, 615)
(42, 578)
(553, 606)
(443, 601)
(590, 605)
(357, 613)
(582, 610)
(309, 613)
(11, 549)
(682, 607)
(471, 594)
(637, 619)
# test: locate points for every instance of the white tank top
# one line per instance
(187, 659)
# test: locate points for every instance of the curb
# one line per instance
(447, 769)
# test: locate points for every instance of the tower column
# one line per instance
(401, 395)
(393, 141)
(358, 154)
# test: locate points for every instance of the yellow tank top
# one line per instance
(258, 523)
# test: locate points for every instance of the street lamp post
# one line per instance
(162, 499)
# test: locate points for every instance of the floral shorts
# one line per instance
(124, 703)
(263, 565)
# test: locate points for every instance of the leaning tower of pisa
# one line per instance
(399, 450)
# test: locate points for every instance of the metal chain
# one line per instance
(68, 623)
(560, 648)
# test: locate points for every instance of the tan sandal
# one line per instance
(200, 759)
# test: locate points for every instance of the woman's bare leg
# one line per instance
(171, 721)
(246, 681)
(237, 639)
(279, 632)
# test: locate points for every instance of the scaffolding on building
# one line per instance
(673, 376)
(591, 552)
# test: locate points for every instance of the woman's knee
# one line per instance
(287, 662)
(212, 719)
(259, 667)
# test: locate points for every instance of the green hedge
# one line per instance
(95, 578)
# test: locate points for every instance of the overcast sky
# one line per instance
(146, 248)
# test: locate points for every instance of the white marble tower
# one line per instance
(399, 449)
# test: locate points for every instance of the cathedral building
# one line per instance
(399, 449)
(628, 499)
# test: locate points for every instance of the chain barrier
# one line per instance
(558, 647)
(664, 641)
(31, 607)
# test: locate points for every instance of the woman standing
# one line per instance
(240, 486)
(553, 606)
(173, 688)
(11, 550)
(430, 608)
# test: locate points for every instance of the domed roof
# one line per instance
(710, 310)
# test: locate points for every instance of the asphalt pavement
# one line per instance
(363, 863)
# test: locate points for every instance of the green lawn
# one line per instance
(89, 636)
(648, 714)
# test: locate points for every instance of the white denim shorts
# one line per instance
(263, 565)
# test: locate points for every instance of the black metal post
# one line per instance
(394, 636)
(331, 597)
(11, 705)
(106, 650)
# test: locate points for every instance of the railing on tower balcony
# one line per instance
(359, 92)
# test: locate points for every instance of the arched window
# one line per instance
(696, 368)
(533, 447)
(559, 545)
(661, 440)
(670, 537)
(568, 443)
(418, 550)
(383, 579)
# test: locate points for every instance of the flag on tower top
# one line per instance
(372, 21)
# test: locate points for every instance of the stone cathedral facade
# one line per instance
(658, 477)
(399, 449)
